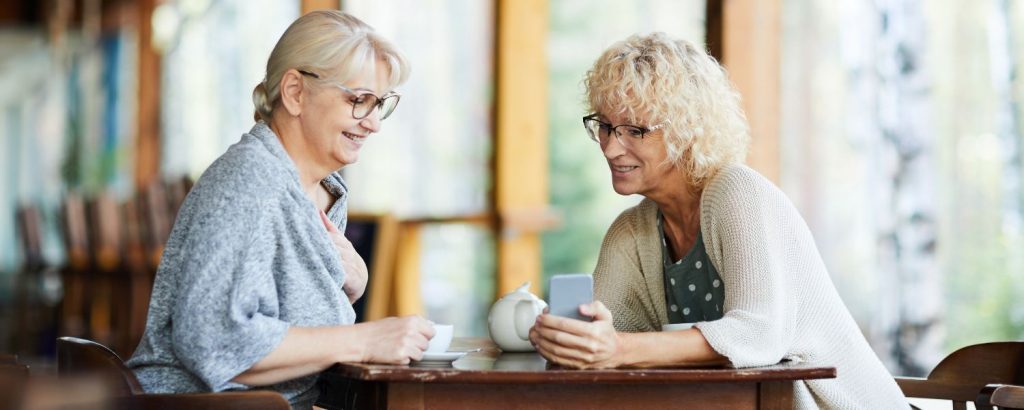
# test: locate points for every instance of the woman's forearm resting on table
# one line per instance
(653, 349)
(308, 350)
(304, 351)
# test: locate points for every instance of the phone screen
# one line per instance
(568, 292)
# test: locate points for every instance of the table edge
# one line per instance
(568, 376)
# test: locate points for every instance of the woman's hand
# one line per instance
(578, 344)
(395, 340)
(355, 268)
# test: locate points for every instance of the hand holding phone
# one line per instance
(568, 292)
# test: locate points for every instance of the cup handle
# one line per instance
(526, 314)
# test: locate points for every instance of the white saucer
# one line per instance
(446, 357)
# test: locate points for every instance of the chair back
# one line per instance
(1003, 396)
(74, 307)
(79, 356)
(84, 357)
(375, 238)
(13, 378)
(157, 221)
(6, 358)
(30, 235)
(964, 373)
(262, 400)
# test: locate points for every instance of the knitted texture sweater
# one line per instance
(247, 259)
(779, 300)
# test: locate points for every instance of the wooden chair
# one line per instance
(76, 357)
(107, 285)
(204, 401)
(157, 220)
(1003, 396)
(84, 357)
(32, 317)
(177, 190)
(13, 378)
(375, 238)
(964, 373)
(74, 317)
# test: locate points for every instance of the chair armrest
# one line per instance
(916, 387)
(1003, 395)
(204, 401)
(11, 359)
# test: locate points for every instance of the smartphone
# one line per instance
(568, 292)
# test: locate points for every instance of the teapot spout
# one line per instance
(525, 287)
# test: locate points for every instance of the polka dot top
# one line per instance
(693, 290)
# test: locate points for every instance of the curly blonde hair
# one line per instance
(672, 81)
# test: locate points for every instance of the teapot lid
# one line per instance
(522, 292)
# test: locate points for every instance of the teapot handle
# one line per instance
(525, 315)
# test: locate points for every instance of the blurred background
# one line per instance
(895, 126)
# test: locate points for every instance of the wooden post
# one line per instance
(147, 147)
(745, 34)
(521, 170)
(310, 5)
(406, 285)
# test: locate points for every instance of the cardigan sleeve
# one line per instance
(618, 276)
(609, 287)
(745, 218)
(226, 317)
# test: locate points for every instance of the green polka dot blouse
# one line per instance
(693, 290)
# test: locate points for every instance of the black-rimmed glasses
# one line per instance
(364, 103)
(626, 134)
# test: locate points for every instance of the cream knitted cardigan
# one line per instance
(779, 300)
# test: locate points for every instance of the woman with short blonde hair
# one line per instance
(715, 255)
(333, 43)
(256, 284)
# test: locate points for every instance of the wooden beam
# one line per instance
(713, 28)
(147, 146)
(382, 268)
(406, 285)
(749, 34)
(310, 5)
(521, 159)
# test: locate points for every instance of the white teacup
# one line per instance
(676, 326)
(442, 338)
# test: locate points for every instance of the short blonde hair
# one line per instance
(334, 45)
(672, 81)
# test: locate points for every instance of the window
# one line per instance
(902, 148)
(432, 158)
(214, 55)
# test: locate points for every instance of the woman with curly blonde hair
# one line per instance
(714, 247)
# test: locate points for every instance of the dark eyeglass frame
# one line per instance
(378, 105)
(594, 118)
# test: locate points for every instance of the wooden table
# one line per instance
(492, 379)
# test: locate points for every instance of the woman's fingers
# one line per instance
(596, 310)
(577, 343)
(560, 356)
(565, 348)
(566, 340)
(327, 222)
(576, 327)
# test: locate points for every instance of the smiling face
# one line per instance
(642, 167)
(332, 135)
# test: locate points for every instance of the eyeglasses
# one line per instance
(626, 134)
(364, 103)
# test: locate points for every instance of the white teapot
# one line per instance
(511, 318)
